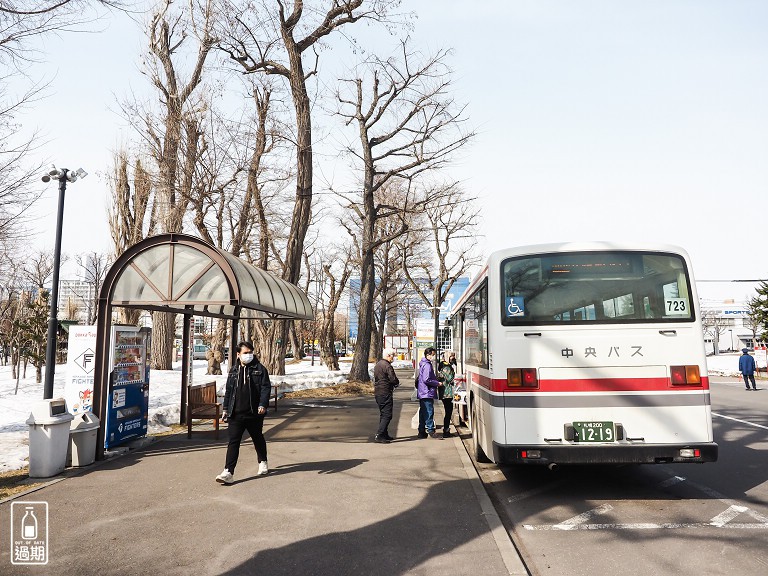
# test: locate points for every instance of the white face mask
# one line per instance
(246, 357)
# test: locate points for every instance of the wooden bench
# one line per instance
(202, 405)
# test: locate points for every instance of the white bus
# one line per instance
(585, 353)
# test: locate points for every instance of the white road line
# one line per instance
(671, 481)
(725, 500)
(535, 491)
(724, 517)
(643, 526)
(573, 523)
(741, 421)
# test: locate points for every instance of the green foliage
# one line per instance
(758, 311)
(33, 329)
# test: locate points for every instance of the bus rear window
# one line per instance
(595, 288)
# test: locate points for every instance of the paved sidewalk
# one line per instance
(334, 503)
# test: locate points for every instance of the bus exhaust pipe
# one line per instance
(552, 466)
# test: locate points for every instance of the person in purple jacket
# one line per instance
(426, 392)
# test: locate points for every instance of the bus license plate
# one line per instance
(594, 431)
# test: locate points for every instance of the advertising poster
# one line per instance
(78, 386)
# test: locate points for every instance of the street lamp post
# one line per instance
(63, 175)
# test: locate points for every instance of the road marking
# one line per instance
(535, 491)
(573, 523)
(722, 520)
(671, 481)
(741, 421)
(724, 517)
(644, 526)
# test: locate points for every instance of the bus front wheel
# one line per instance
(477, 450)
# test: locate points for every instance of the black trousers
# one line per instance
(747, 378)
(237, 427)
(386, 403)
(448, 407)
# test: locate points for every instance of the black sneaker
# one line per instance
(388, 437)
(381, 439)
(423, 435)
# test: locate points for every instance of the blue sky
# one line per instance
(596, 120)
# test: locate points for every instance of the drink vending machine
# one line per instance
(128, 398)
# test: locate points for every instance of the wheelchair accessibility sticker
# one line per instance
(515, 306)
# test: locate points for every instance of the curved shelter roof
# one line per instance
(184, 274)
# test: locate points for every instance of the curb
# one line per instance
(509, 553)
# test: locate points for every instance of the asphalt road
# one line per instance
(697, 519)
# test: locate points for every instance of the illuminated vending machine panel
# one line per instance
(128, 407)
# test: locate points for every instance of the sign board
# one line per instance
(761, 357)
(425, 329)
(78, 386)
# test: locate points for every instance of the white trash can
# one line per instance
(82, 439)
(48, 437)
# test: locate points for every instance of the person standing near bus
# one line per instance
(747, 368)
(245, 404)
(384, 383)
(446, 372)
(426, 392)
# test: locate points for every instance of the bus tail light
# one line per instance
(685, 375)
(690, 453)
(522, 378)
(530, 454)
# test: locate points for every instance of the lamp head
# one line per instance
(46, 178)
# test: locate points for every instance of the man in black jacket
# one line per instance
(245, 404)
(384, 383)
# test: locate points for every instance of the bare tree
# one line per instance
(93, 269)
(715, 326)
(336, 273)
(175, 136)
(131, 214)
(269, 39)
(407, 124)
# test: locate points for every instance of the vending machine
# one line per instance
(128, 398)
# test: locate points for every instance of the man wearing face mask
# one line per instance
(245, 404)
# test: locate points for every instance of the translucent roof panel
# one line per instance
(184, 274)
(210, 287)
(155, 265)
(188, 264)
(131, 287)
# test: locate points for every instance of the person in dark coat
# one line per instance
(245, 404)
(426, 392)
(446, 373)
(747, 368)
(384, 383)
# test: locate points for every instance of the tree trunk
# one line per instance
(163, 334)
(359, 370)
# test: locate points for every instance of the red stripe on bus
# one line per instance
(590, 385)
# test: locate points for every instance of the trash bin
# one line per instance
(82, 439)
(48, 437)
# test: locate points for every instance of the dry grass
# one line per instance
(16, 481)
(345, 389)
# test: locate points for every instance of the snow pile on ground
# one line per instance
(164, 398)
(724, 365)
(165, 395)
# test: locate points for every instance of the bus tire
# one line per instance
(477, 451)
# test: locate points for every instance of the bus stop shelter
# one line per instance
(182, 274)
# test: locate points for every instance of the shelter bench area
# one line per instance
(202, 404)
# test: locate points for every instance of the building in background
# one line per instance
(79, 295)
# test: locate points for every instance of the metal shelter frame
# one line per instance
(185, 275)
